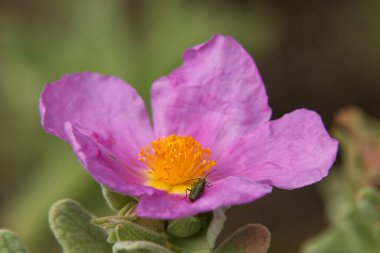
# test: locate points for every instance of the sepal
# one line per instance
(184, 227)
(204, 240)
(216, 226)
(116, 201)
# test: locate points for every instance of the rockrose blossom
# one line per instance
(210, 116)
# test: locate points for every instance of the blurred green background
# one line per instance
(316, 54)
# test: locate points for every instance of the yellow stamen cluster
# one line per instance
(175, 160)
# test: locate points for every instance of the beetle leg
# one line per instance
(187, 190)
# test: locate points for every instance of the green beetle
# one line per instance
(197, 188)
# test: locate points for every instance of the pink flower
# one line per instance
(210, 114)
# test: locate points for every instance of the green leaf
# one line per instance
(359, 136)
(338, 195)
(70, 223)
(10, 242)
(184, 227)
(252, 238)
(357, 232)
(116, 201)
(370, 195)
(139, 247)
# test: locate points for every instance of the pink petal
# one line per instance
(224, 192)
(215, 96)
(288, 153)
(102, 164)
(104, 106)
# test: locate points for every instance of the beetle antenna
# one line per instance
(209, 174)
(200, 178)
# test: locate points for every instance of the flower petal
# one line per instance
(224, 192)
(288, 153)
(102, 164)
(104, 105)
(215, 96)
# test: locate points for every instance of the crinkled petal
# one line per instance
(104, 166)
(225, 192)
(215, 96)
(105, 106)
(291, 152)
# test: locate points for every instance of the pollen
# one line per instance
(174, 161)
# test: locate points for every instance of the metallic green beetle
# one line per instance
(197, 188)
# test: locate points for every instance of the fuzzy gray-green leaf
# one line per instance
(252, 238)
(139, 247)
(116, 201)
(70, 223)
(10, 242)
(129, 231)
(122, 228)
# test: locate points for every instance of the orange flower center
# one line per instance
(174, 161)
